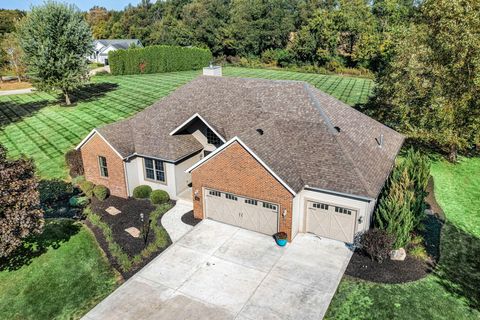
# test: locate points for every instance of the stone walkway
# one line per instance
(172, 220)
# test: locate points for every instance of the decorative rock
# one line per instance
(112, 211)
(428, 212)
(398, 255)
(134, 232)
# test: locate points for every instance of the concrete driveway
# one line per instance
(217, 271)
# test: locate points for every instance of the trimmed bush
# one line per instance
(142, 192)
(87, 188)
(78, 180)
(159, 197)
(157, 59)
(101, 192)
(78, 202)
(74, 163)
(377, 244)
(54, 190)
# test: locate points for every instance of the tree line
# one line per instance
(350, 33)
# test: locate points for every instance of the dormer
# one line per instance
(205, 133)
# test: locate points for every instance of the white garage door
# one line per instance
(330, 221)
(255, 215)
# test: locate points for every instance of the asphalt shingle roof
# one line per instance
(300, 143)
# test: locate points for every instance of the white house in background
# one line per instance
(101, 48)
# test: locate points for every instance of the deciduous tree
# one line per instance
(56, 40)
(432, 85)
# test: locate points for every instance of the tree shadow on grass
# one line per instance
(90, 92)
(55, 233)
(12, 112)
(458, 269)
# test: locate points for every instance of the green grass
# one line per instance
(452, 292)
(457, 188)
(61, 277)
(38, 126)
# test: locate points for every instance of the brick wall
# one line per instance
(115, 182)
(234, 170)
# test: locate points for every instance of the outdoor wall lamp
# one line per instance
(196, 197)
(284, 214)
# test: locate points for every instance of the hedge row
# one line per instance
(156, 59)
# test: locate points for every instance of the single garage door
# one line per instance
(251, 214)
(331, 221)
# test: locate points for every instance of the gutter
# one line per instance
(342, 194)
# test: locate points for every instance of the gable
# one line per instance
(236, 152)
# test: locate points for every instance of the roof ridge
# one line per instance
(354, 165)
(318, 107)
(335, 133)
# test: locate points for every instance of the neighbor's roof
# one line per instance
(301, 142)
(117, 43)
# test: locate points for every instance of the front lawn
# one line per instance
(38, 126)
(452, 291)
(62, 276)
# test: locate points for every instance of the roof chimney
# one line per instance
(212, 70)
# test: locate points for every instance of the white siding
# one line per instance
(364, 209)
(183, 179)
(136, 177)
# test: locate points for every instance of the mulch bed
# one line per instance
(189, 219)
(130, 216)
(388, 271)
(362, 267)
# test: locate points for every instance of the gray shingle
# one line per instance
(300, 142)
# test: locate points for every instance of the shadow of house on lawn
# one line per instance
(458, 269)
(90, 92)
(55, 233)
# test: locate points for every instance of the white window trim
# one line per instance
(154, 171)
(100, 166)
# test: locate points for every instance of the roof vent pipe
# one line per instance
(260, 131)
(381, 141)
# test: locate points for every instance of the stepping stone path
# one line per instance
(134, 232)
(112, 211)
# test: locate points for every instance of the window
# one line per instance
(343, 210)
(251, 201)
(212, 137)
(154, 170)
(102, 163)
(320, 206)
(214, 193)
(230, 196)
(269, 206)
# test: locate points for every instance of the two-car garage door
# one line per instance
(252, 214)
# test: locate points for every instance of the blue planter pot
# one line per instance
(280, 238)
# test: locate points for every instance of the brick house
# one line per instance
(260, 154)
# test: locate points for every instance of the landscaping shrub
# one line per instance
(54, 190)
(401, 207)
(377, 244)
(159, 196)
(394, 214)
(155, 59)
(77, 201)
(142, 192)
(100, 192)
(78, 180)
(74, 163)
(87, 188)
